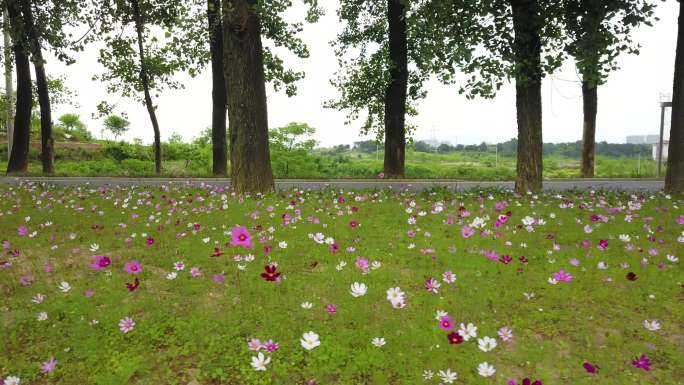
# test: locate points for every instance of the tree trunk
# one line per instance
(47, 143)
(218, 93)
(247, 111)
(395, 94)
(589, 103)
(145, 80)
(674, 179)
(18, 161)
(527, 51)
(9, 86)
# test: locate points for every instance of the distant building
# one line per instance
(665, 148)
(642, 139)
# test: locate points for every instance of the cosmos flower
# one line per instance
(241, 237)
(448, 376)
(448, 277)
(259, 362)
(378, 342)
(590, 368)
(100, 262)
(445, 323)
(12, 380)
(64, 286)
(468, 331)
(126, 324)
(396, 297)
(358, 289)
(505, 333)
(254, 344)
(485, 369)
(330, 309)
(432, 285)
(454, 338)
(270, 274)
(306, 305)
(652, 325)
(486, 344)
(642, 362)
(270, 346)
(42, 316)
(132, 267)
(310, 340)
(562, 276)
(48, 366)
(134, 285)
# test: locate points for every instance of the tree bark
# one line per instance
(247, 110)
(145, 80)
(9, 86)
(47, 143)
(218, 93)
(395, 93)
(590, 105)
(528, 74)
(674, 179)
(18, 161)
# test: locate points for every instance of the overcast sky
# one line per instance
(628, 102)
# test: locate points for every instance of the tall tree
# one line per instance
(248, 65)
(247, 111)
(18, 161)
(395, 93)
(506, 39)
(218, 92)
(374, 77)
(146, 43)
(9, 85)
(34, 42)
(674, 179)
(597, 32)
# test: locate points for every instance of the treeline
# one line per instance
(570, 150)
(387, 50)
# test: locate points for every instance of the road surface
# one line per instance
(286, 184)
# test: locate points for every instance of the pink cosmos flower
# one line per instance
(590, 368)
(331, 309)
(381, 175)
(48, 366)
(132, 267)
(241, 237)
(100, 262)
(362, 263)
(562, 276)
(254, 344)
(432, 285)
(642, 362)
(680, 220)
(270, 346)
(219, 278)
(603, 244)
(22, 230)
(195, 272)
(48, 268)
(445, 323)
(149, 241)
(448, 277)
(126, 324)
(574, 262)
(467, 232)
(505, 333)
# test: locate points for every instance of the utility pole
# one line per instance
(663, 105)
(9, 89)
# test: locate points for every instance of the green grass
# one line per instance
(192, 328)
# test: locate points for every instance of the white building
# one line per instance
(642, 139)
(665, 147)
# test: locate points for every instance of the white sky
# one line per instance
(628, 102)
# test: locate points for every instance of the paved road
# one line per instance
(553, 185)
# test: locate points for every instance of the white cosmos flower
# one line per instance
(171, 276)
(672, 258)
(375, 265)
(602, 265)
(486, 343)
(396, 297)
(427, 374)
(485, 369)
(64, 286)
(259, 362)
(439, 314)
(448, 376)
(468, 332)
(378, 342)
(307, 305)
(653, 325)
(341, 265)
(358, 289)
(38, 298)
(624, 237)
(94, 247)
(310, 340)
(282, 245)
(12, 380)
(42, 316)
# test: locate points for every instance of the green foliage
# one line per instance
(117, 125)
(598, 31)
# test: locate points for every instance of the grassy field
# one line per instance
(198, 286)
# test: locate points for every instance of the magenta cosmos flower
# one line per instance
(132, 267)
(590, 368)
(100, 262)
(467, 232)
(642, 362)
(445, 323)
(241, 237)
(562, 276)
